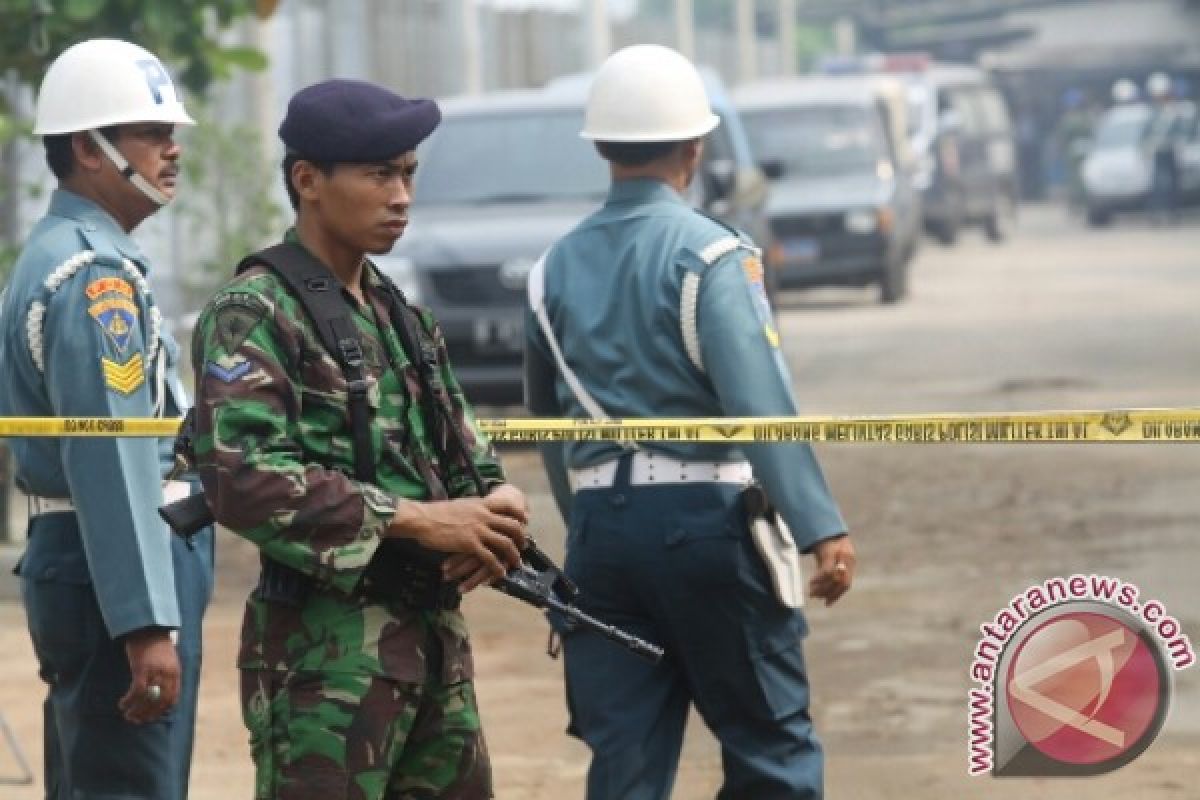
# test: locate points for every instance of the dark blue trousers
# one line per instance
(675, 565)
(91, 752)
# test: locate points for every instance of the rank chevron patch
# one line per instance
(126, 377)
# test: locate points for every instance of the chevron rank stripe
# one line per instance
(124, 377)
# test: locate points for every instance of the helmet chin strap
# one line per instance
(131, 175)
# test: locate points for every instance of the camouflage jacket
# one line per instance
(275, 451)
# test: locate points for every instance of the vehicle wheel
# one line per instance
(1097, 218)
(945, 231)
(893, 283)
(1000, 223)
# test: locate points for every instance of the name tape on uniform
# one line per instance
(1121, 425)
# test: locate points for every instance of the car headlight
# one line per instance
(403, 271)
(862, 220)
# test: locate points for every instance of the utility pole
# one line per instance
(787, 37)
(685, 28)
(845, 36)
(599, 35)
(472, 48)
(747, 50)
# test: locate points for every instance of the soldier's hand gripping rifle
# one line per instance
(537, 581)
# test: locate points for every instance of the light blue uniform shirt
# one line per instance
(612, 294)
(94, 341)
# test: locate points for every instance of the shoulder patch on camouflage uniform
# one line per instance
(228, 374)
(235, 316)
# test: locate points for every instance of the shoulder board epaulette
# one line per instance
(35, 321)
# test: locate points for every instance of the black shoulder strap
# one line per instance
(438, 414)
(319, 291)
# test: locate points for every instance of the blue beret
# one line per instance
(355, 121)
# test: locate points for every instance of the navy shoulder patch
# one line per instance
(111, 304)
(752, 265)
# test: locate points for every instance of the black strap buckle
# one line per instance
(352, 352)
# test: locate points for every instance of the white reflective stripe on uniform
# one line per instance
(536, 290)
(720, 248)
(689, 296)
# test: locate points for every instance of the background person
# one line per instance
(655, 310)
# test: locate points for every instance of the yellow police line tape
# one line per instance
(1036, 427)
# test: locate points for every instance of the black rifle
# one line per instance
(538, 581)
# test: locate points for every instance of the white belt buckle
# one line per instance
(49, 505)
(38, 505)
(601, 476)
(175, 490)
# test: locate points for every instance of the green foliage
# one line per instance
(225, 202)
(813, 42)
(8, 257)
(179, 31)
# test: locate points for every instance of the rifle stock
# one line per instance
(188, 516)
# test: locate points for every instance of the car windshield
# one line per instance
(1122, 127)
(821, 140)
(519, 157)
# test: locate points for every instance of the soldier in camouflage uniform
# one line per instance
(345, 694)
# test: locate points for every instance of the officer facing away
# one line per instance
(647, 309)
(114, 602)
(329, 452)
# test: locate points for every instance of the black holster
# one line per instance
(281, 584)
(408, 575)
(394, 576)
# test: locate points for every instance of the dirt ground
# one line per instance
(946, 534)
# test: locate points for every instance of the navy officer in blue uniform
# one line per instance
(650, 309)
(113, 600)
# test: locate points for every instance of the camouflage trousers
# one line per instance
(322, 736)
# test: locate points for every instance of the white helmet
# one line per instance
(1158, 85)
(104, 82)
(1124, 91)
(647, 93)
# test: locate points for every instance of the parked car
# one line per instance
(503, 177)
(842, 208)
(962, 136)
(1119, 169)
(1187, 154)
